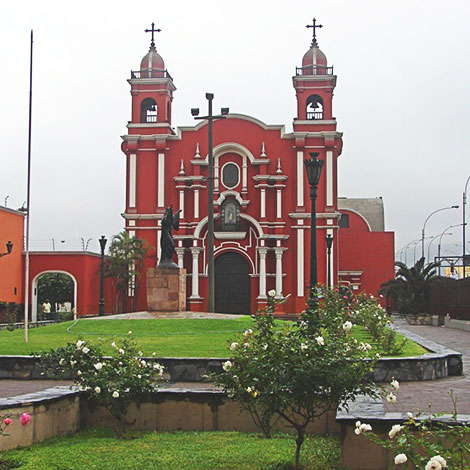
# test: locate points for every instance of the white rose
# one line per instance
(303, 347)
(79, 372)
(227, 366)
(129, 332)
(272, 293)
(98, 366)
(113, 344)
(347, 326)
(391, 398)
(248, 332)
(85, 350)
(395, 384)
(139, 376)
(433, 465)
(365, 427)
(440, 460)
(358, 423)
(143, 363)
(400, 458)
(249, 389)
(115, 394)
(320, 340)
(140, 353)
(62, 362)
(396, 428)
(121, 351)
(410, 415)
(79, 344)
(97, 390)
(233, 346)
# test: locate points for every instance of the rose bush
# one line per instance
(111, 381)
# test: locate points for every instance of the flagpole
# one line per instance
(28, 208)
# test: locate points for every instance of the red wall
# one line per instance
(84, 267)
(11, 269)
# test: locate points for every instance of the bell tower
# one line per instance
(152, 91)
(314, 83)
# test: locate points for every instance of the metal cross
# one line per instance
(153, 30)
(314, 26)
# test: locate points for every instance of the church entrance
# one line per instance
(232, 284)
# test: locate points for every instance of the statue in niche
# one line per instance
(169, 221)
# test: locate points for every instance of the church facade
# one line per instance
(261, 195)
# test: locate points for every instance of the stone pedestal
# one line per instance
(166, 289)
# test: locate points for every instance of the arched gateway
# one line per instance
(232, 284)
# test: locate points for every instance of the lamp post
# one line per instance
(424, 226)
(464, 203)
(210, 198)
(313, 167)
(9, 246)
(102, 241)
(329, 243)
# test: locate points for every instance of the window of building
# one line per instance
(230, 217)
(230, 175)
(314, 107)
(148, 110)
(344, 221)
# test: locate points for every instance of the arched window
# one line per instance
(230, 217)
(314, 107)
(148, 110)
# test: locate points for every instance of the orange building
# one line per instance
(11, 266)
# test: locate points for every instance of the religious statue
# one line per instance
(169, 221)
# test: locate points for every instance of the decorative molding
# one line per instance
(230, 235)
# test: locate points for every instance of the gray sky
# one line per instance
(401, 100)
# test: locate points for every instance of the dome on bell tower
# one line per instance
(314, 56)
(152, 61)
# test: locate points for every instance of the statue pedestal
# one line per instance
(166, 289)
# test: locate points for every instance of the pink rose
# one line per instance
(25, 418)
(7, 421)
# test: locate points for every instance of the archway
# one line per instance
(36, 297)
(232, 284)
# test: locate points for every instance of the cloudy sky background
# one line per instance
(401, 100)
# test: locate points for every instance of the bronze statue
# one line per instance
(169, 221)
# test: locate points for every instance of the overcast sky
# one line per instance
(401, 99)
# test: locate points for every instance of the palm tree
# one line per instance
(409, 290)
(124, 266)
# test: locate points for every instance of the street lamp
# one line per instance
(210, 196)
(9, 246)
(424, 226)
(102, 241)
(464, 203)
(313, 167)
(329, 243)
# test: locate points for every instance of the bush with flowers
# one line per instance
(428, 443)
(6, 421)
(111, 381)
(298, 372)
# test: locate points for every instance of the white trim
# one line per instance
(34, 290)
(300, 178)
(329, 177)
(195, 273)
(263, 203)
(196, 203)
(359, 214)
(229, 235)
(278, 252)
(159, 248)
(254, 222)
(222, 175)
(278, 204)
(182, 204)
(132, 179)
(300, 263)
(233, 249)
(262, 273)
(161, 180)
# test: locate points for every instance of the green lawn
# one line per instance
(167, 337)
(100, 449)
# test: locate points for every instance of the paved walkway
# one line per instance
(415, 396)
(153, 315)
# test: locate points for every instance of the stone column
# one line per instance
(278, 252)
(180, 253)
(195, 272)
(262, 273)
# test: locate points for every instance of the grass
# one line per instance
(167, 337)
(100, 449)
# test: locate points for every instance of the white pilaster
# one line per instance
(329, 177)
(278, 252)
(195, 273)
(330, 231)
(180, 253)
(196, 203)
(278, 204)
(159, 248)
(300, 260)
(161, 180)
(132, 179)
(182, 203)
(216, 174)
(262, 272)
(300, 178)
(244, 174)
(263, 203)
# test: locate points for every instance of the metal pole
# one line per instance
(464, 203)
(210, 215)
(313, 239)
(101, 310)
(28, 203)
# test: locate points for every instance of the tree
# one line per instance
(409, 289)
(124, 266)
(298, 372)
(57, 288)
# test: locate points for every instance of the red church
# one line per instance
(261, 195)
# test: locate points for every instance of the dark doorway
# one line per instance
(232, 284)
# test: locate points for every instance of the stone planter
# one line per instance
(422, 319)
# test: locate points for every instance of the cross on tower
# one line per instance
(314, 26)
(153, 30)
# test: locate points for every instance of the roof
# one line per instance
(13, 211)
(372, 209)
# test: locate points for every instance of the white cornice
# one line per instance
(141, 217)
(320, 215)
(148, 124)
(317, 122)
